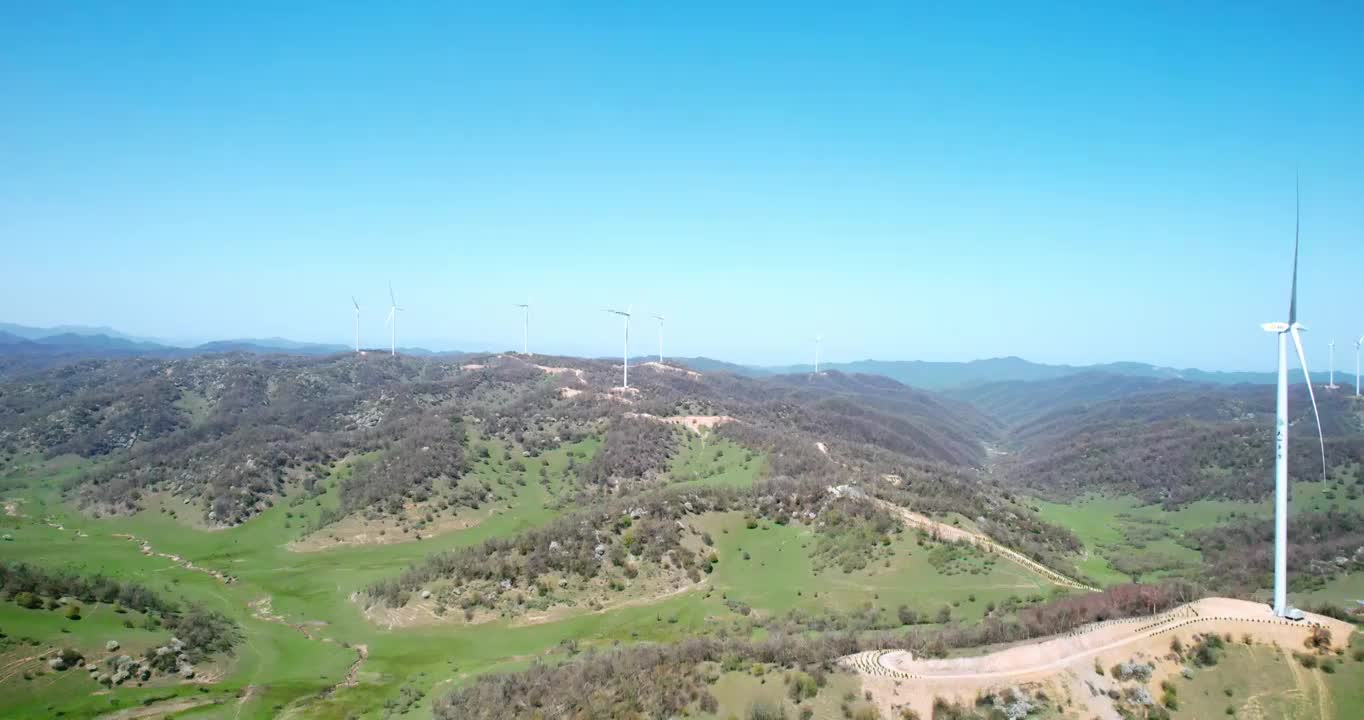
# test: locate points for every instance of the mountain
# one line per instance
(709, 365)
(36, 333)
(186, 422)
(1166, 441)
(74, 342)
(10, 339)
(268, 346)
(1015, 402)
(951, 375)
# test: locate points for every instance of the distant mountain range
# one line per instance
(956, 375)
(43, 346)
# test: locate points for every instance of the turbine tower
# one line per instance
(392, 322)
(625, 367)
(817, 339)
(525, 326)
(1285, 331)
(356, 303)
(1331, 384)
(659, 318)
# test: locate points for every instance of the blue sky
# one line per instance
(1079, 183)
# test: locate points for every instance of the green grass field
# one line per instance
(707, 460)
(778, 574)
(278, 671)
(1115, 526)
(1264, 681)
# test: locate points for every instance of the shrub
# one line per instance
(764, 710)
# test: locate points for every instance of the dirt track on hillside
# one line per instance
(953, 533)
(896, 679)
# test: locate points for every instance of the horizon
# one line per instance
(1071, 185)
(635, 355)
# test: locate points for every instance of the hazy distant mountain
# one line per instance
(705, 364)
(28, 332)
(74, 341)
(68, 342)
(8, 338)
(950, 375)
(266, 346)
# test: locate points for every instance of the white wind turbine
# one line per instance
(356, 303)
(817, 339)
(659, 318)
(1358, 343)
(625, 367)
(1285, 331)
(1331, 384)
(392, 322)
(525, 326)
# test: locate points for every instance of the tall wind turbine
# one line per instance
(392, 322)
(659, 318)
(1285, 331)
(356, 303)
(525, 326)
(625, 367)
(817, 339)
(1331, 384)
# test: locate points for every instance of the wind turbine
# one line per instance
(817, 339)
(659, 318)
(1285, 331)
(625, 368)
(392, 321)
(356, 303)
(1331, 385)
(525, 327)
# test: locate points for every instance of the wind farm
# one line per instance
(966, 389)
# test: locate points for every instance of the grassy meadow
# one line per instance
(303, 630)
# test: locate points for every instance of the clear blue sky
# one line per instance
(1070, 184)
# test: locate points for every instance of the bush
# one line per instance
(73, 612)
(764, 710)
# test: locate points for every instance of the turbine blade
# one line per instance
(354, 302)
(390, 294)
(1302, 360)
(1297, 215)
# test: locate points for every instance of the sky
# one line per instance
(1078, 182)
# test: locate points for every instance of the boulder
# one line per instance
(111, 646)
(426, 594)
(163, 650)
(119, 677)
(56, 663)
(186, 671)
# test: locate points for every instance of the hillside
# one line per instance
(406, 523)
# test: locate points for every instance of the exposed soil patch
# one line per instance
(672, 369)
(694, 423)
